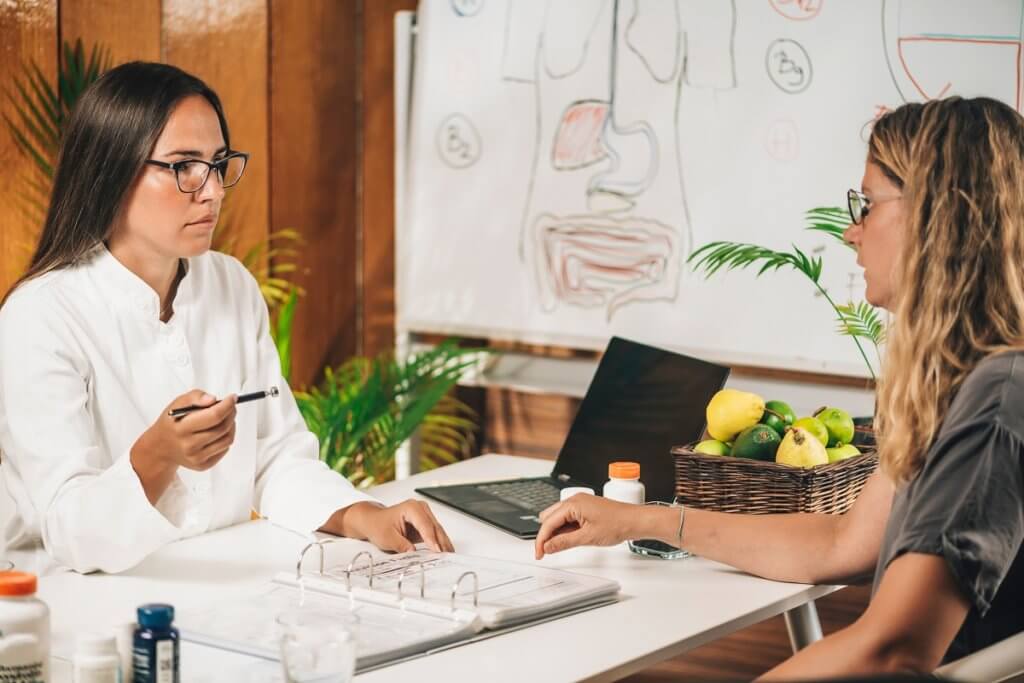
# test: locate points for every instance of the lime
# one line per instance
(778, 415)
(839, 425)
(712, 447)
(757, 443)
(847, 450)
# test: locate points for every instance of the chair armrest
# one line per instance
(1001, 662)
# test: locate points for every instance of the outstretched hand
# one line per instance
(584, 520)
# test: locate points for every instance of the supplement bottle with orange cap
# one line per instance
(624, 483)
(24, 630)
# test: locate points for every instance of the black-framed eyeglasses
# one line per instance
(192, 174)
(858, 204)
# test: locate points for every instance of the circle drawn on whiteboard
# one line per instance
(458, 142)
(782, 140)
(788, 65)
(467, 8)
(797, 10)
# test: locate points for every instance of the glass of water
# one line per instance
(318, 646)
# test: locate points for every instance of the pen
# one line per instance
(244, 398)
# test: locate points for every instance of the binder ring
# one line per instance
(302, 555)
(423, 578)
(476, 587)
(348, 571)
(320, 546)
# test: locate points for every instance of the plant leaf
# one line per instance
(366, 408)
(831, 220)
(861, 319)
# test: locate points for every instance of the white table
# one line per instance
(667, 607)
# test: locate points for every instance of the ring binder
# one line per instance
(423, 579)
(348, 570)
(476, 587)
(393, 627)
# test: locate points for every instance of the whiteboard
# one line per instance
(565, 157)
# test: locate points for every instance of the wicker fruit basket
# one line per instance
(727, 484)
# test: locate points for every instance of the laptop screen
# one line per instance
(641, 402)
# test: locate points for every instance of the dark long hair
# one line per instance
(108, 137)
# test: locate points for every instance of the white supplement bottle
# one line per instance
(24, 630)
(624, 483)
(96, 660)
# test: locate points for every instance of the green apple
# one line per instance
(839, 425)
(847, 450)
(815, 426)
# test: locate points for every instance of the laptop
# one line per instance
(641, 402)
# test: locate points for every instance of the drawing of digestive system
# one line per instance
(605, 222)
(936, 48)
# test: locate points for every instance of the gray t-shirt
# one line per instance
(967, 503)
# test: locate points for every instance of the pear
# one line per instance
(800, 448)
(815, 426)
(730, 411)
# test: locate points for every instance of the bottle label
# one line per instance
(165, 661)
(154, 666)
(20, 659)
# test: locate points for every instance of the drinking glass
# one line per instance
(318, 646)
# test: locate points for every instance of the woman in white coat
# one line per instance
(126, 313)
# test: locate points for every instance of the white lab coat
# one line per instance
(86, 366)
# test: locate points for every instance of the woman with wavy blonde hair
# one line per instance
(938, 225)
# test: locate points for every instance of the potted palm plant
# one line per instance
(858, 320)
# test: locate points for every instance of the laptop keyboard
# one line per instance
(530, 495)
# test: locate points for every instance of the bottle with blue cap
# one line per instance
(155, 646)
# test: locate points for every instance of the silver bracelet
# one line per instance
(679, 533)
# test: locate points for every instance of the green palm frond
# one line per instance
(365, 409)
(716, 256)
(732, 255)
(831, 220)
(41, 109)
(271, 261)
(282, 327)
(861, 319)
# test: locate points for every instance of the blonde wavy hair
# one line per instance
(959, 280)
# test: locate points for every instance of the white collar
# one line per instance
(128, 288)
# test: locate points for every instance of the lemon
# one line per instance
(730, 411)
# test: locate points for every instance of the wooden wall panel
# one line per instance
(28, 32)
(377, 217)
(129, 30)
(533, 425)
(314, 138)
(224, 42)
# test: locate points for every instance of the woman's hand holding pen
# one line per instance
(196, 441)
